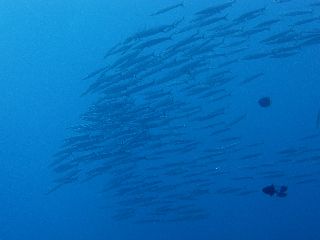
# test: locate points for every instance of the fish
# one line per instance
(251, 32)
(277, 36)
(298, 13)
(153, 31)
(284, 54)
(306, 21)
(310, 42)
(249, 15)
(210, 21)
(236, 120)
(267, 23)
(95, 73)
(256, 56)
(152, 42)
(265, 102)
(167, 9)
(315, 4)
(252, 78)
(273, 190)
(216, 8)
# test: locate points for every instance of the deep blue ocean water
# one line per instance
(189, 165)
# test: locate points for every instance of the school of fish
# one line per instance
(162, 134)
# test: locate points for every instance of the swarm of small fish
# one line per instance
(161, 133)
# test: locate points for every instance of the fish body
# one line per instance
(167, 9)
(273, 190)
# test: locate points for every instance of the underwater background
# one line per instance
(160, 119)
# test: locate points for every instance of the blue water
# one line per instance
(169, 172)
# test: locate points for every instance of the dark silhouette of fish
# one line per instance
(265, 102)
(273, 190)
(167, 9)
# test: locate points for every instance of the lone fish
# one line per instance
(167, 9)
